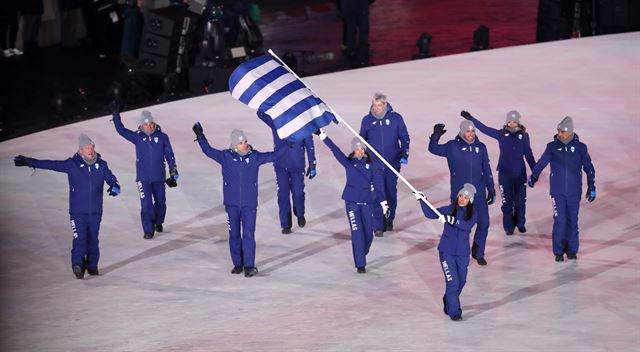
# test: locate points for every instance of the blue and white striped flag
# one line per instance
(266, 85)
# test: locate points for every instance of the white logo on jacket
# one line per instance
(155, 139)
(573, 149)
(477, 150)
(97, 166)
(387, 121)
(519, 136)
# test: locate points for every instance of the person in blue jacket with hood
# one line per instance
(385, 130)
(514, 144)
(568, 157)
(362, 191)
(240, 165)
(453, 249)
(87, 172)
(290, 173)
(468, 162)
(152, 148)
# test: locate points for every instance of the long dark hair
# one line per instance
(520, 127)
(468, 214)
(351, 156)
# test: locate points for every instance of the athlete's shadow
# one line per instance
(178, 243)
(563, 277)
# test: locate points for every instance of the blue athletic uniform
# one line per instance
(151, 152)
(469, 163)
(389, 137)
(290, 172)
(240, 193)
(567, 162)
(361, 192)
(512, 173)
(86, 184)
(453, 251)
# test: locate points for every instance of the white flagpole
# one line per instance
(360, 137)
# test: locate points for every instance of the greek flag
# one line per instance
(266, 85)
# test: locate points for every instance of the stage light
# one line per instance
(424, 44)
(481, 38)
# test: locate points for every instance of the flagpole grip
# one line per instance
(358, 135)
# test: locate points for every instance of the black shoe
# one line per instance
(522, 229)
(565, 246)
(286, 231)
(457, 318)
(93, 272)
(379, 233)
(78, 271)
(572, 256)
(444, 301)
(159, 228)
(362, 270)
(509, 232)
(237, 270)
(148, 236)
(474, 249)
(302, 221)
(388, 227)
(249, 272)
(559, 258)
(481, 261)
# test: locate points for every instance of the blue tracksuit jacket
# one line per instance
(239, 173)
(86, 183)
(567, 163)
(388, 136)
(151, 151)
(453, 252)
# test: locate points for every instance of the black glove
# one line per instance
(171, 182)
(532, 180)
(450, 219)
(114, 190)
(197, 129)
(114, 107)
(466, 115)
(591, 194)
(438, 130)
(491, 197)
(20, 160)
(311, 172)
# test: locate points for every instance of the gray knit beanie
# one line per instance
(237, 136)
(465, 126)
(357, 143)
(566, 124)
(513, 115)
(84, 140)
(146, 117)
(468, 190)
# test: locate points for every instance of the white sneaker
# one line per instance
(7, 52)
(16, 51)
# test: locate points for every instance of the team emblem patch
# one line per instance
(477, 150)
(97, 166)
(155, 139)
(519, 136)
(387, 122)
(367, 166)
(465, 148)
(246, 160)
(573, 149)
(144, 139)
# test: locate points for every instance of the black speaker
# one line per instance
(153, 64)
(155, 44)
(169, 21)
